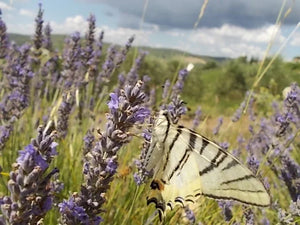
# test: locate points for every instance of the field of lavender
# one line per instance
(75, 123)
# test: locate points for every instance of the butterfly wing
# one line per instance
(190, 165)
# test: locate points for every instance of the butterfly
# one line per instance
(186, 165)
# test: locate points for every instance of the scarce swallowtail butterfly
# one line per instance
(187, 165)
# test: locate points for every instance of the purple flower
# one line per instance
(5, 132)
(137, 179)
(73, 72)
(291, 175)
(141, 114)
(121, 56)
(111, 166)
(70, 209)
(17, 75)
(178, 86)
(4, 43)
(166, 89)
(226, 207)
(253, 163)
(29, 158)
(217, 128)
(238, 113)
(47, 42)
(189, 214)
(100, 162)
(197, 117)
(176, 109)
(64, 110)
(249, 216)
(224, 145)
(133, 75)
(31, 188)
(113, 104)
(146, 135)
(38, 37)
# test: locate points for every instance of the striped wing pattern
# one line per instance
(187, 165)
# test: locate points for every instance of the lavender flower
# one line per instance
(166, 89)
(121, 56)
(72, 61)
(224, 145)
(217, 128)
(113, 104)
(176, 109)
(291, 113)
(226, 207)
(64, 111)
(253, 163)
(17, 76)
(189, 214)
(89, 140)
(71, 211)
(50, 72)
(5, 132)
(238, 113)
(121, 80)
(250, 108)
(4, 43)
(291, 175)
(275, 136)
(152, 99)
(197, 117)
(107, 68)
(30, 184)
(47, 42)
(88, 53)
(249, 216)
(100, 163)
(38, 37)
(94, 61)
(142, 175)
(177, 88)
(132, 75)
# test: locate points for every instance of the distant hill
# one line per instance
(165, 53)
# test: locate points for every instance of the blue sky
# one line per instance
(228, 28)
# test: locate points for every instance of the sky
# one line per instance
(228, 28)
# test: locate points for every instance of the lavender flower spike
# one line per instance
(197, 117)
(64, 111)
(30, 185)
(47, 42)
(38, 37)
(100, 161)
(3, 38)
(217, 128)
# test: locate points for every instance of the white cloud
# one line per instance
(25, 12)
(70, 25)
(121, 35)
(20, 28)
(5, 6)
(258, 35)
(232, 41)
(113, 35)
(296, 39)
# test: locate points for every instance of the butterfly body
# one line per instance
(187, 165)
